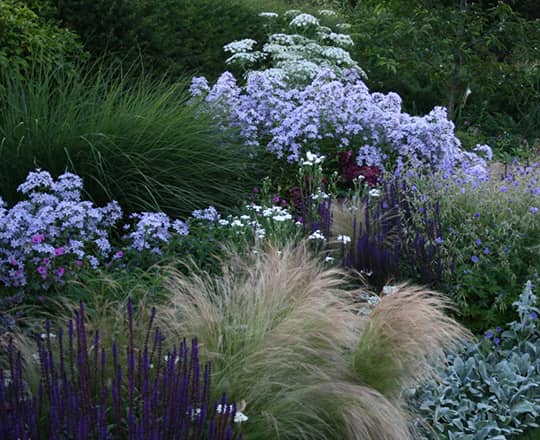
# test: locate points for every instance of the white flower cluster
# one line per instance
(327, 13)
(282, 39)
(313, 159)
(374, 192)
(304, 20)
(317, 235)
(292, 13)
(245, 58)
(344, 239)
(335, 38)
(319, 195)
(239, 416)
(389, 290)
(338, 55)
(277, 214)
(295, 57)
(240, 45)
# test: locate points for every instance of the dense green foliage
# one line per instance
(480, 62)
(163, 37)
(27, 40)
(489, 240)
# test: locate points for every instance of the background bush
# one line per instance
(165, 37)
(27, 39)
(432, 53)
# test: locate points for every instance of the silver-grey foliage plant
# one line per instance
(491, 390)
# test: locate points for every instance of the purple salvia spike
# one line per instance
(149, 329)
(146, 393)
(96, 359)
(71, 350)
(131, 369)
(195, 373)
(206, 385)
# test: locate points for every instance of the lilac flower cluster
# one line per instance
(337, 112)
(209, 214)
(152, 231)
(52, 231)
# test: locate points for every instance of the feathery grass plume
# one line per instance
(404, 339)
(135, 140)
(279, 330)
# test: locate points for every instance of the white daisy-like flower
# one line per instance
(374, 192)
(282, 217)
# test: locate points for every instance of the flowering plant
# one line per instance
(52, 232)
(87, 391)
(337, 113)
(488, 238)
(296, 57)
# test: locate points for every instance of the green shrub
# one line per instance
(490, 232)
(135, 141)
(27, 40)
(170, 36)
(105, 26)
(189, 35)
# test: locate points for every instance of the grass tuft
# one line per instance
(137, 141)
(404, 339)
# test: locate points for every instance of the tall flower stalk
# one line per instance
(85, 392)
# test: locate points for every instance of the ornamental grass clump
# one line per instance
(282, 332)
(137, 141)
(404, 338)
(85, 390)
